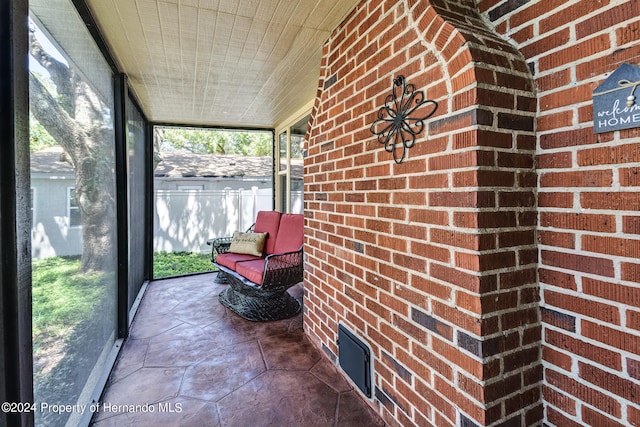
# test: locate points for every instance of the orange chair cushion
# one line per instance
(230, 260)
(252, 270)
(268, 222)
(290, 233)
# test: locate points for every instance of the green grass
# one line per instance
(166, 264)
(63, 297)
(73, 317)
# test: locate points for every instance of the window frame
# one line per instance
(70, 208)
(283, 195)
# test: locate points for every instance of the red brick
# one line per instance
(611, 201)
(451, 353)
(483, 138)
(566, 97)
(630, 272)
(455, 277)
(595, 178)
(554, 80)
(542, 45)
(557, 419)
(633, 416)
(429, 181)
(613, 383)
(628, 34)
(594, 418)
(553, 238)
(583, 392)
(575, 304)
(518, 278)
(527, 14)
(556, 278)
(578, 221)
(575, 262)
(554, 160)
(606, 19)
(556, 358)
(430, 252)
(610, 336)
(584, 349)
(554, 120)
(627, 153)
(568, 138)
(633, 320)
(555, 200)
(611, 246)
(431, 288)
(411, 198)
(631, 224)
(429, 216)
(615, 292)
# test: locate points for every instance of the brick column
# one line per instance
(431, 261)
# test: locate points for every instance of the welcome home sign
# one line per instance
(615, 104)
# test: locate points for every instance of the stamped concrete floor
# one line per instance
(191, 362)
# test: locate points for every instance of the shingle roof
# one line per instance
(212, 165)
(51, 160)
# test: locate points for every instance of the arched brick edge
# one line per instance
(452, 316)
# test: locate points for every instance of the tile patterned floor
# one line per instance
(191, 362)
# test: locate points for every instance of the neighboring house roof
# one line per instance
(212, 165)
(175, 165)
(50, 161)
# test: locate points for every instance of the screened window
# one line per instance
(208, 183)
(74, 280)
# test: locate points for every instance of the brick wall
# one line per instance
(589, 233)
(431, 261)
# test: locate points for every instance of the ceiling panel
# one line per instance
(220, 62)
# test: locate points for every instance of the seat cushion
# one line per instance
(268, 222)
(231, 259)
(290, 233)
(252, 270)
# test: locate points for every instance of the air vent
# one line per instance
(354, 357)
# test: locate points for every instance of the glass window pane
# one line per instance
(74, 210)
(298, 132)
(74, 261)
(282, 151)
(136, 165)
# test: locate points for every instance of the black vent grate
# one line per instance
(354, 358)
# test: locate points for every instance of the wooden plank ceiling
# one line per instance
(220, 62)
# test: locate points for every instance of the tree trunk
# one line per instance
(90, 149)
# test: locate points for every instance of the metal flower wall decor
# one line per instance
(402, 117)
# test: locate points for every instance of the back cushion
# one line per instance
(290, 233)
(267, 222)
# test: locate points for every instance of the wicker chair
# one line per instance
(258, 285)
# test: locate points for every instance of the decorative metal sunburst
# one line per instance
(402, 117)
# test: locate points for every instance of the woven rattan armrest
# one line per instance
(283, 269)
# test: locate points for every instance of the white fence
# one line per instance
(185, 220)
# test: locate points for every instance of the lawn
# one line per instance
(73, 321)
(166, 264)
(74, 318)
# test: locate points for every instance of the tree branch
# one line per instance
(53, 117)
(61, 75)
